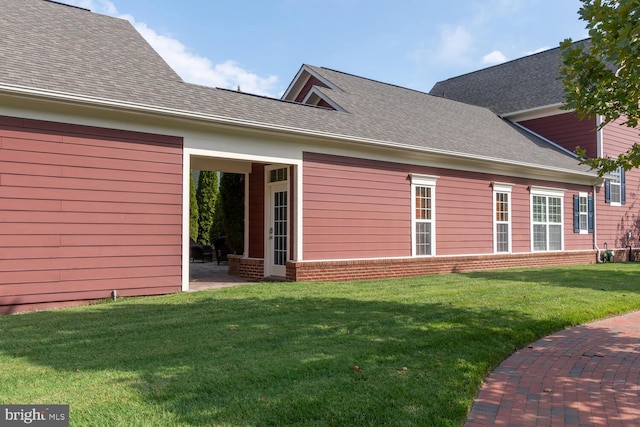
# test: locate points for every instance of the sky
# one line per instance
(260, 45)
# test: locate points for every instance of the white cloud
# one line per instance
(538, 50)
(495, 57)
(191, 67)
(455, 43)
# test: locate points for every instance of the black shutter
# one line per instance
(607, 191)
(576, 213)
(590, 210)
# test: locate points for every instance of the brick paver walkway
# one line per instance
(586, 376)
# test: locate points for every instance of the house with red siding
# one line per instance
(528, 92)
(345, 177)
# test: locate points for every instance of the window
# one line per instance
(502, 217)
(278, 175)
(614, 188)
(582, 213)
(423, 217)
(546, 219)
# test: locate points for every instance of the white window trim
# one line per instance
(418, 180)
(617, 182)
(586, 197)
(548, 192)
(501, 187)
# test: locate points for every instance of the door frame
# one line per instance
(270, 269)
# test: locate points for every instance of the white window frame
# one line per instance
(502, 188)
(583, 215)
(553, 193)
(428, 181)
(617, 182)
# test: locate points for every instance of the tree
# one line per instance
(232, 195)
(602, 76)
(193, 210)
(206, 195)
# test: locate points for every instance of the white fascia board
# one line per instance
(317, 92)
(536, 113)
(528, 169)
(300, 80)
(537, 135)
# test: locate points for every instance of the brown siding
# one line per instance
(358, 208)
(566, 130)
(614, 222)
(84, 211)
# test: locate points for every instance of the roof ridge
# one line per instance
(68, 5)
(375, 81)
(509, 62)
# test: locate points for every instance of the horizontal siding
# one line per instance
(354, 209)
(84, 211)
(567, 130)
(363, 210)
(614, 222)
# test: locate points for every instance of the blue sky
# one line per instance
(260, 45)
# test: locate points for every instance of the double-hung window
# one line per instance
(546, 219)
(502, 217)
(423, 192)
(582, 213)
(614, 190)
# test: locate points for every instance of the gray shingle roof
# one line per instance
(62, 49)
(519, 85)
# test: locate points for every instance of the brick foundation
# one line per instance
(622, 255)
(406, 267)
(251, 268)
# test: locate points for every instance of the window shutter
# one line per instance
(576, 213)
(607, 191)
(623, 195)
(590, 213)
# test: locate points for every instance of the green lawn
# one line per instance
(286, 353)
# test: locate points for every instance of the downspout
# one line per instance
(599, 153)
(595, 229)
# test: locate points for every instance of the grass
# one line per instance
(285, 353)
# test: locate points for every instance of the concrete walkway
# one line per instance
(210, 275)
(586, 376)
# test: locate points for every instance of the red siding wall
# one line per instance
(358, 208)
(256, 211)
(614, 222)
(354, 208)
(567, 131)
(84, 211)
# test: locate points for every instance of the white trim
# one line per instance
(599, 137)
(428, 181)
(499, 187)
(547, 192)
(502, 187)
(268, 217)
(536, 113)
(424, 180)
(317, 92)
(186, 206)
(297, 84)
(524, 169)
(311, 261)
(548, 141)
(297, 225)
(585, 196)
